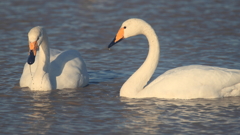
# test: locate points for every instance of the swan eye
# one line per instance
(124, 27)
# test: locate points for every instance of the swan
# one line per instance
(187, 82)
(49, 69)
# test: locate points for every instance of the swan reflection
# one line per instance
(142, 116)
(152, 115)
(40, 116)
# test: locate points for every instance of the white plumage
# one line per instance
(195, 81)
(52, 69)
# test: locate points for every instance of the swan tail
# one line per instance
(231, 91)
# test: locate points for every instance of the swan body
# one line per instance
(194, 81)
(49, 69)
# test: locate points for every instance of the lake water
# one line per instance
(190, 32)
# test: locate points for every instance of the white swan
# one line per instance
(186, 82)
(52, 69)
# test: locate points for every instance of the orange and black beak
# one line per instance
(118, 38)
(32, 52)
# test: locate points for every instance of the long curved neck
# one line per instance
(41, 78)
(44, 57)
(141, 77)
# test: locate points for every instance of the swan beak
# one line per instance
(32, 52)
(118, 38)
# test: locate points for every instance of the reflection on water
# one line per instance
(152, 116)
(40, 114)
(190, 32)
(143, 116)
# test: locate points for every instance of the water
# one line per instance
(190, 32)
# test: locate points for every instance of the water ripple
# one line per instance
(190, 32)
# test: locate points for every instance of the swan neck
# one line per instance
(44, 55)
(140, 78)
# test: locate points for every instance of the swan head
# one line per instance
(129, 28)
(35, 38)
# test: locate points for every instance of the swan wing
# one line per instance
(68, 69)
(194, 81)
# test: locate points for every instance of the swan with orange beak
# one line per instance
(187, 82)
(48, 69)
